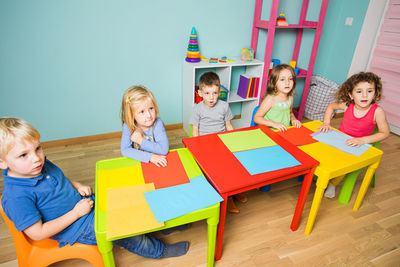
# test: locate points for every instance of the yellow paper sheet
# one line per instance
(128, 211)
(114, 178)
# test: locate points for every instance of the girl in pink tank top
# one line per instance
(357, 97)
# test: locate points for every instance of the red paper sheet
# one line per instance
(298, 136)
(173, 174)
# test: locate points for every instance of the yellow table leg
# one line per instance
(364, 185)
(322, 183)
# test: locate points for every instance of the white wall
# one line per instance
(369, 33)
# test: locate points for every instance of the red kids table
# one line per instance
(229, 177)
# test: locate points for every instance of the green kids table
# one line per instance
(211, 214)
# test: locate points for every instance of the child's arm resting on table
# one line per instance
(40, 230)
(326, 126)
(265, 106)
(128, 151)
(383, 131)
(195, 130)
(195, 121)
(160, 145)
(293, 120)
(229, 126)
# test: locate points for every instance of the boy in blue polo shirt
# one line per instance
(43, 203)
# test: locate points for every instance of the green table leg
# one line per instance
(106, 250)
(212, 223)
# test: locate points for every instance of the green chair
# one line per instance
(350, 181)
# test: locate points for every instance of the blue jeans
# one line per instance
(143, 245)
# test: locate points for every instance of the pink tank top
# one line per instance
(358, 127)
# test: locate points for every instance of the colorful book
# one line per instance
(248, 86)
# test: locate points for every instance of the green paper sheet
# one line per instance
(246, 140)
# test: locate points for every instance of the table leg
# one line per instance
(365, 183)
(221, 225)
(106, 250)
(322, 183)
(212, 223)
(302, 199)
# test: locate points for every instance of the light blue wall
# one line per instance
(65, 64)
(338, 42)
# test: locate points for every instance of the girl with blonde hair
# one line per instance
(143, 133)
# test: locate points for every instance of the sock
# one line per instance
(175, 250)
(265, 188)
(330, 191)
(176, 228)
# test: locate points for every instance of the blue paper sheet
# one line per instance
(338, 140)
(171, 202)
(266, 159)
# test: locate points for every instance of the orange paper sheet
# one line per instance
(120, 177)
(298, 136)
(173, 174)
(128, 211)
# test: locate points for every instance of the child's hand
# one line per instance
(159, 160)
(83, 207)
(279, 126)
(84, 190)
(296, 123)
(325, 128)
(137, 137)
(357, 142)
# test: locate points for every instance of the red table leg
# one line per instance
(302, 199)
(221, 226)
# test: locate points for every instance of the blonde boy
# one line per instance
(43, 203)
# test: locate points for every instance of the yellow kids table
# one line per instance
(211, 214)
(334, 163)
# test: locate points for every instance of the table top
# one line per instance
(227, 174)
(336, 161)
(188, 162)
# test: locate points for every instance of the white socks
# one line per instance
(330, 191)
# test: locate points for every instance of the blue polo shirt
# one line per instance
(47, 197)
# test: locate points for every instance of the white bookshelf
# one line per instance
(224, 71)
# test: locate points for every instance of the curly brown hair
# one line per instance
(345, 90)
(273, 79)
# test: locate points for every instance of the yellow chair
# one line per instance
(45, 252)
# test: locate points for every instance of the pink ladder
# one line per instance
(271, 27)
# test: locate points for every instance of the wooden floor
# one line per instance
(260, 234)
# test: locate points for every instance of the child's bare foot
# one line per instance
(330, 191)
(175, 250)
(240, 197)
(232, 206)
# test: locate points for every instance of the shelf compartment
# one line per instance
(264, 24)
(234, 98)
